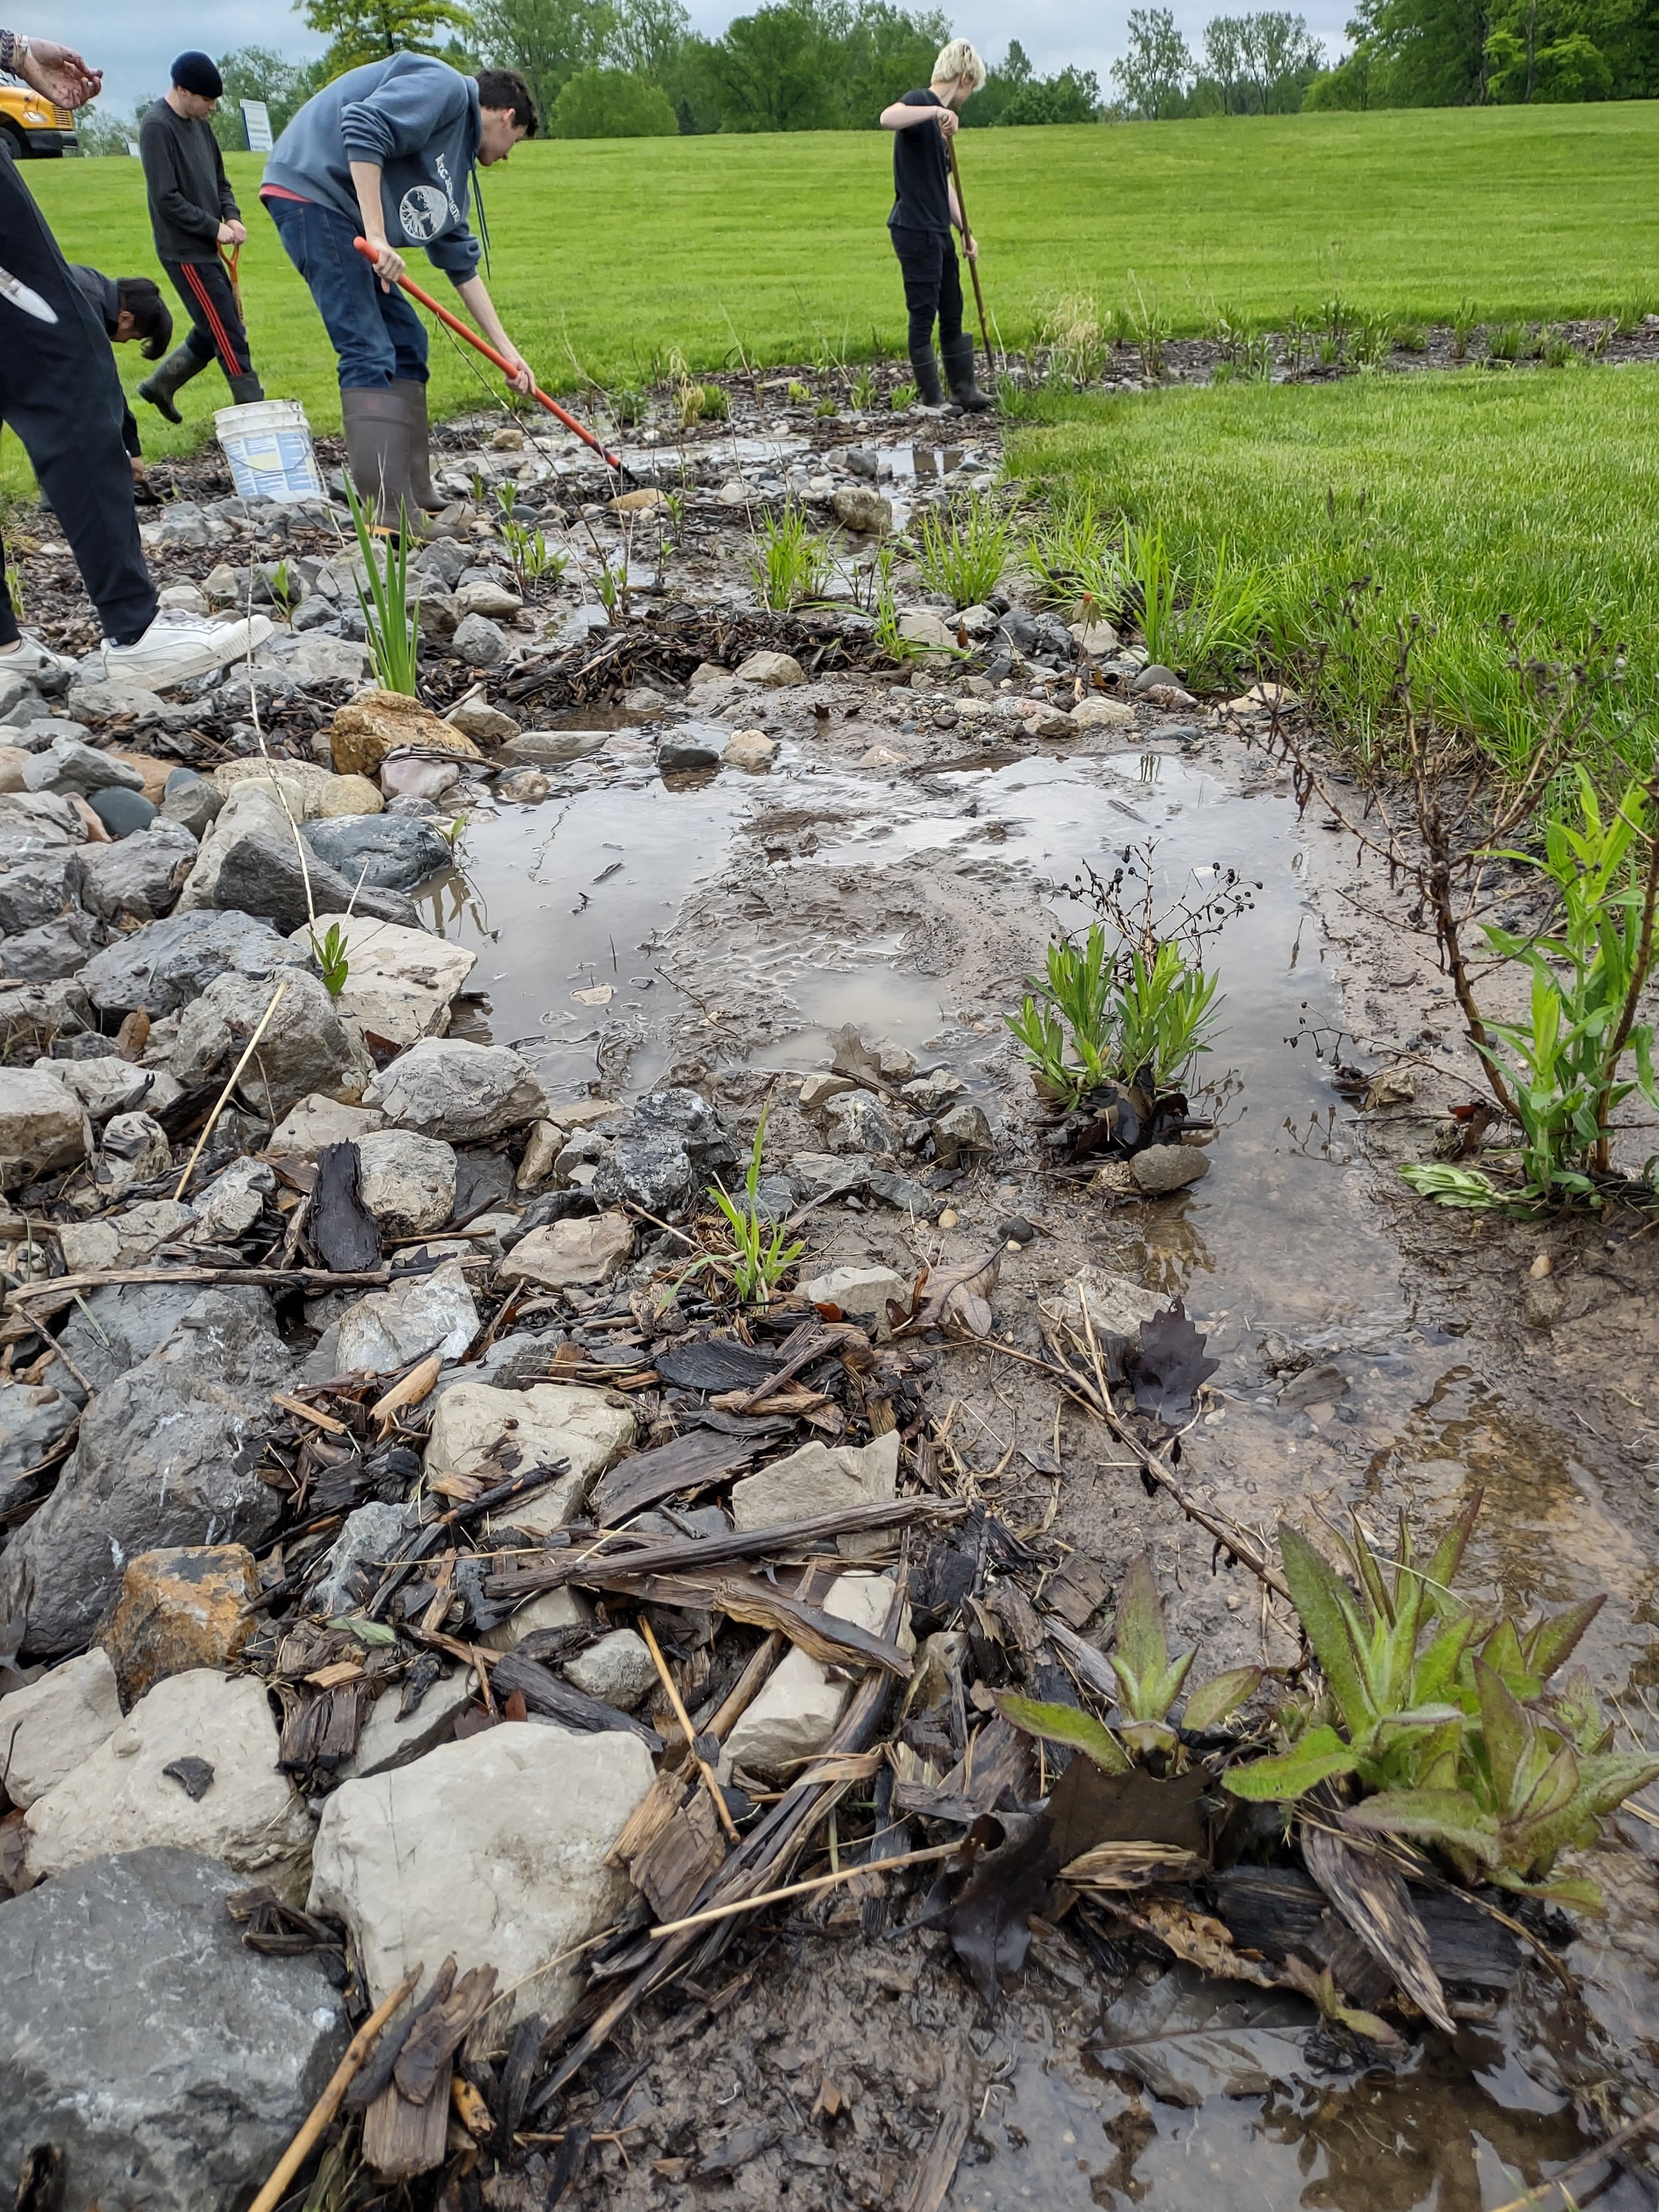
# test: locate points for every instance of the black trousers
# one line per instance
(216, 329)
(932, 283)
(60, 393)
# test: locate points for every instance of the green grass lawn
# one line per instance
(616, 251)
(1464, 498)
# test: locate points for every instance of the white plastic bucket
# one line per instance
(268, 445)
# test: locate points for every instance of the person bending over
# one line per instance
(193, 213)
(60, 393)
(133, 312)
(388, 152)
(925, 212)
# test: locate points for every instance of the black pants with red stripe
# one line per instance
(216, 327)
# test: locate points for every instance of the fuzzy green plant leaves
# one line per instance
(1314, 1759)
(1067, 1724)
(1211, 1701)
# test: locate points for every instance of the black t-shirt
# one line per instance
(921, 172)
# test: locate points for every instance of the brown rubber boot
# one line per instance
(376, 427)
(420, 444)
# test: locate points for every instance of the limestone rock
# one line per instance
(961, 1133)
(817, 1478)
(855, 1123)
(171, 963)
(525, 786)
(477, 719)
(109, 1084)
(43, 1125)
(617, 1670)
(33, 1417)
(493, 1849)
(228, 1205)
(168, 1453)
(1096, 713)
(390, 1740)
(170, 2064)
(407, 776)
(53, 1725)
(923, 628)
(400, 982)
(318, 1121)
(1116, 1306)
(863, 1292)
(550, 748)
(390, 1329)
(557, 1609)
(861, 508)
(542, 1147)
(586, 1250)
(461, 1092)
(751, 750)
(408, 1181)
(1164, 1168)
(795, 1715)
(179, 1609)
(348, 794)
(365, 730)
(110, 1329)
(541, 1426)
(774, 670)
(305, 1047)
(250, 862)
(123, 1799)
(124, 1240)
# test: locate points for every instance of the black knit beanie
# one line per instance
(197, 73)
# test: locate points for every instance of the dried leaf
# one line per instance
(1132, 1866)
(1194, 1936)
(1373, 1901)
(986, 1908)
(959, 1297)
(1168, 1366)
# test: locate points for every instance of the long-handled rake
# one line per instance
(464, 329)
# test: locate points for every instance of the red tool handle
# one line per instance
(465, 331)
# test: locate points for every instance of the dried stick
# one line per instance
(1569, 2172)
(329, 2103)
(802, 1888)
(219, 1102)
(717, 1797)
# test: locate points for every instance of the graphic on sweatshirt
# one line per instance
(424, 211)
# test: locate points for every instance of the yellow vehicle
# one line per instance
(30, 125)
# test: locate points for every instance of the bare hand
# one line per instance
(389, 263)
(949, 122)
(521, 377)
(233, 233)
(970, 245)
(138, 469)
(60, 74)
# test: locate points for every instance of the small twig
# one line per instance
(329, 2103)
(234, 1079)
(934, 1852)
(717, 1796)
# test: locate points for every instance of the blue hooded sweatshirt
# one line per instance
(418, 119)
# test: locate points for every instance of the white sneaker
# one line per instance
(177, 646)
(32, 658)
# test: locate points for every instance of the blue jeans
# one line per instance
(377, 335)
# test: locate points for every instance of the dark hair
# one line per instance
(152, 318)
(507, 88)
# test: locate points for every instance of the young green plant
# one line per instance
(762, 1255)
(390, 617)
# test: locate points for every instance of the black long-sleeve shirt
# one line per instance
(190, 195)
(105, 300)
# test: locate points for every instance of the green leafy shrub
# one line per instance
(1094, 1017)
(962, 555)
(610, 103)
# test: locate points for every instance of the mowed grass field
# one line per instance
(611, 253)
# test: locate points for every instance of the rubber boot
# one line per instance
(420, 444)
(245, 390)
(924, 367)
(966, 394)
(159, 386)
(377, 456)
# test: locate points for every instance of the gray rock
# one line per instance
(17, 695)
(462, 1092)
(864, 1292)
(248, 864)
(171, 2065)
(123, 813)
(796, 1712)
(228, 1207)
(37, 1016)
(1116, 1307)
(904, 1193)
(53, 950)
(1164, 1168)
(823, 1175)
(108, 1085)
(524, 1356)
(71, 765)
(36, 887)
(478, 641)
(617, 1670)
(854, 1122)
(193, 801)
(124, 1239)
(139, 878)
(693, 1122)
(307, 1046)
(32, 1417)
(391, 1738)
(167, 1454)
(396, 852)
(390, 1329)
(683, 750)
(816, 1479)
(353, 1561)
(133, 1149)
(43, 1125)
(550, 748)
(962, 1133)
(408, 1180)
(1315, 1386)
(171, 964)
(35, 820)
(55, 1724)
(112, 1328)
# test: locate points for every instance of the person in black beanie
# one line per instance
(193, 212)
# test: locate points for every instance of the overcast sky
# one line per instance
(133, 44)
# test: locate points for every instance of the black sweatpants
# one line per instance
(932, 283)
(215, 327)
(60, 393)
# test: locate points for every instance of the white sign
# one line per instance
(256, 123)
(134, 149)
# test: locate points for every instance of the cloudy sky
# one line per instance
(133, 44)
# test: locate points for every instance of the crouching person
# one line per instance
(388, 152)
(133, 312)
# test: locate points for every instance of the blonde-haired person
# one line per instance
(925, 212)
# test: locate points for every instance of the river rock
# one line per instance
(180, 1609)
(123, 1799)
(617, 1670)
(36, 821)
(408, 775)
(861, 508)
(170, 964)
(795, 1714)
(962, 1134)
(493, 1849)
(1097, 713)
(348, 794)
(169, 1454)
(43, 1125)
(408, 1181)
(352, 1563)
(53, 1725)
(388, 852)
(584, 1251)
(33, 1417)
(477, 718)
(170, 2065)
(72, 766)
(134, 1149)
(478, 641)
(1164, 1168)
(124, 1240)
(817, 1478)
(367, 729)
(400, 983)
(390, 1329)
(459, 1092)
(392, 1738)
(306, 1048)
(864, 1292)
(752, 751)
(541, 1426)
(557, 1609)
(774, 670)
(318, 1121)
(926, 630)
(685, 751)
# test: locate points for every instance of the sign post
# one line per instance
(256, 126)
